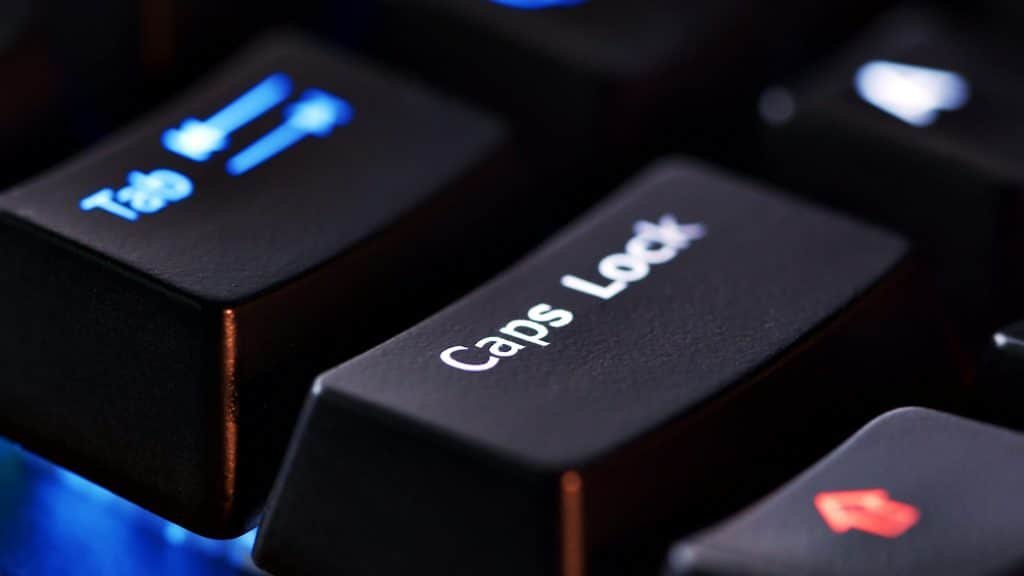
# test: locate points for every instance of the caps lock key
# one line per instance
(676, 352)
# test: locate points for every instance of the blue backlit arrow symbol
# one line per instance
(316, 113)
(199, 139)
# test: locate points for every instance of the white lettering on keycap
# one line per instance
(652, 244)
(448, 357)
(515, 337)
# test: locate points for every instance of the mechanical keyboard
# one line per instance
(511, 287)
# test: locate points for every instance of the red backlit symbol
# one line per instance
(870, 511)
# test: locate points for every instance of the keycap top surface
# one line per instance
(767, 272)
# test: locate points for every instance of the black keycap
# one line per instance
(166, 294)
(915, 492)
(605, 84)
(693, 329)
(915, 126)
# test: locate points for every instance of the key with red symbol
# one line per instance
(914, 492)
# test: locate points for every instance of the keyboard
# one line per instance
(511, 287)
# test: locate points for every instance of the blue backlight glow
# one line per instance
(53, 522)
(144, 194)
(538, 4)
(199, 139)
(316, 113)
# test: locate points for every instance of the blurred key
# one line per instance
(915, 126)
(914, 492)
(673, 353)
(598, 87)
(170, 294)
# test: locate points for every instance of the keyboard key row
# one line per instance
(179, 286)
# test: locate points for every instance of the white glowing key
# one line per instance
(914, 94)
